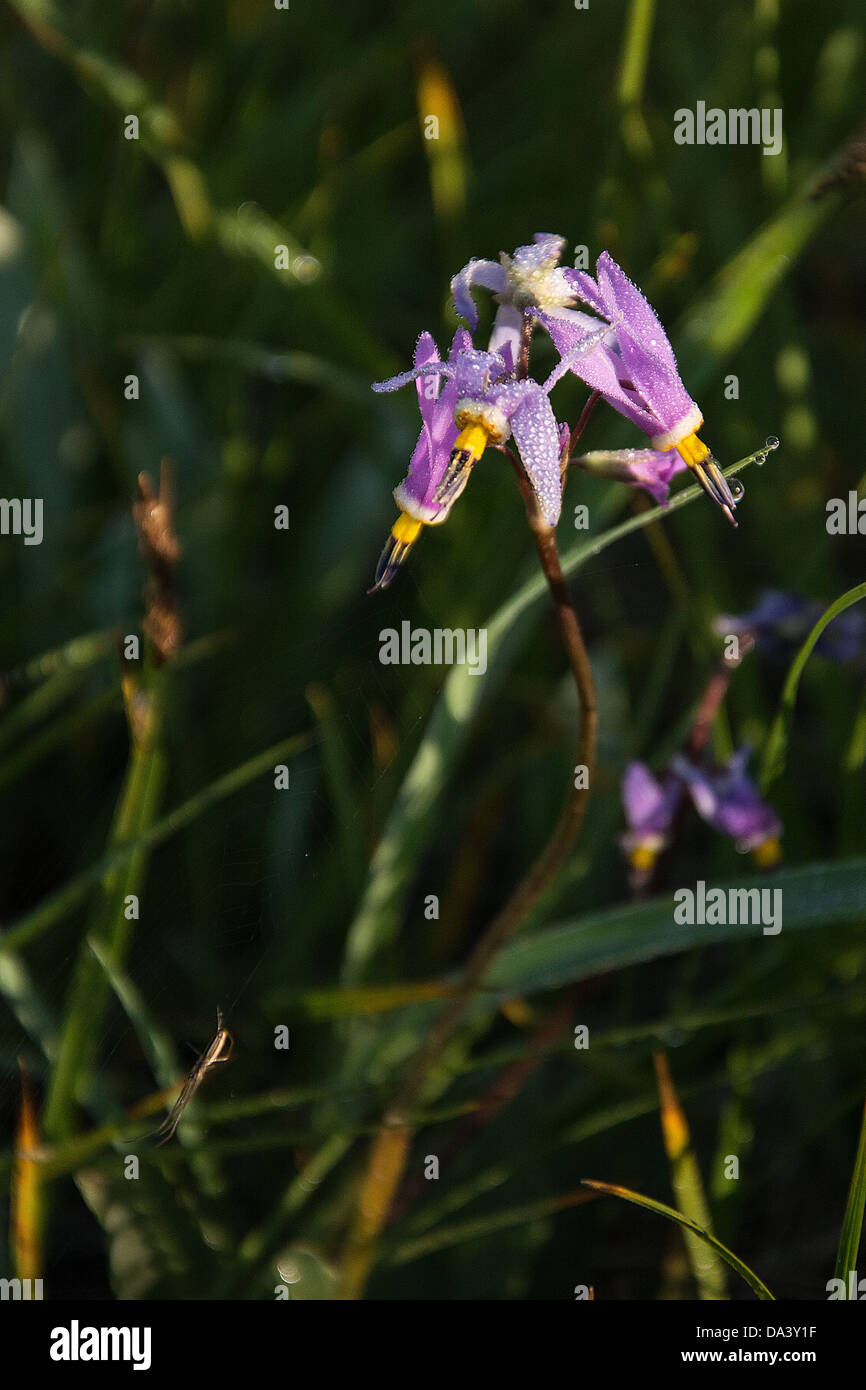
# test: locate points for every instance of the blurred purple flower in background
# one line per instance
(728, 800)
(650, 805)
(781, 622)
(725, 797)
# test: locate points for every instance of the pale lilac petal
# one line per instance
(505, 337)
(536, 435)
(650, 469)
(403, 378)
(476, 272)
(581, 321)
(585, 287)
(729, 801)
(650, 805)
(474, 371)
(426, 352)
(550, 246)
(432, 451)
(642, 795)
(660, 387)
(585, 346)
(600, 369)
(640, 318)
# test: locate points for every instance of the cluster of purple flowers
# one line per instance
(477, 398)
(725, 797)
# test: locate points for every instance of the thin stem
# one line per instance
(391, 1148)
(592, 401)
(711, 700)
(525, 339)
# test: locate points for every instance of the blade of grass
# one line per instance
(28, 1210)
(776, 749)
(480, 1226)
(136, 811)
(648, 1204)
(688, 1188)
(567, 952)
(852, 1222)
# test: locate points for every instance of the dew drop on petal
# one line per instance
(737, 489)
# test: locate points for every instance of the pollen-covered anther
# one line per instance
(535, 283)
(487, 417)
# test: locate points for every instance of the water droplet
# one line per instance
(737, 489)
(760, 459)
(771, 441)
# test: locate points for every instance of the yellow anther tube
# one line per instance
(406, 528)
(642, 858)
(767, 855)
(692, 449)
(473, 439)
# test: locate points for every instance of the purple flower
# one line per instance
(481, 404)
(416, 496)
(780, 622)
(530, 279)
(650, 805)
(728, 800)
(635, 371)
(641, 467)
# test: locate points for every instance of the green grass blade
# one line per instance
(814, 895)
(776, 750)
(687, 1224)
(567, 952)
(707, 1269)
(480, 1226)
(852, 1222)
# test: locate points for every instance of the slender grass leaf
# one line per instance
(687, 1224)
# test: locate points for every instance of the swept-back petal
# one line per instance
(490, 274)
